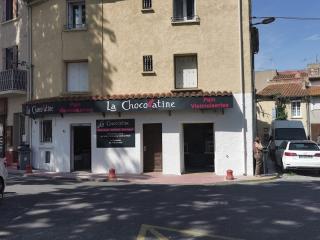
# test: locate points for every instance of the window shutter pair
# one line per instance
(15, 8)
(9, 9)
(4, 62)
(4, 10)
(15, 57)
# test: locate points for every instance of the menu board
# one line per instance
(115, 133)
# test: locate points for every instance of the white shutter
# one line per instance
(186, 72)
(190, 72)
(78, 77)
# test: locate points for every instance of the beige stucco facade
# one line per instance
(118, 34)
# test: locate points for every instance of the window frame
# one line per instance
(13, 52)
(295, 109)
(184, 18)
(70, 16)
(43, 138)
(175, 70)
(67, 77)
(10, 12)
(148, 63)
(145, 3)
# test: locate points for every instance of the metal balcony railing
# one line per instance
(13, 80)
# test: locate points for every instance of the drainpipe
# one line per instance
(243, 109)
(30, 68)
(102, 45)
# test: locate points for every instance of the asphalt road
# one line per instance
(36, 208)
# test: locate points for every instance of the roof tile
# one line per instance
(132, 96)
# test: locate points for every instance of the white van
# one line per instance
(287, 130)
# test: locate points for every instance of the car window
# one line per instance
(304, 147)
(290, 134)
(283, 145)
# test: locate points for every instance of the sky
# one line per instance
(287, 44)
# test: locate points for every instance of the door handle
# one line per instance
(144, 148)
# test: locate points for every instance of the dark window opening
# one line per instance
(146, 4)
(147, 63)
(199, 147)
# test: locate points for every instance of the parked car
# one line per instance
(298, 154)
(3, 176)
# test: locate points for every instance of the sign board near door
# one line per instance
(115, 133)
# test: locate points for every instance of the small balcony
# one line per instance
(13, 82)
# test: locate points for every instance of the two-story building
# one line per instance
(13, 76)
(141, 85)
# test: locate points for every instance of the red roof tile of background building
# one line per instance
(314, 91)
(295, 75)
(284, 90)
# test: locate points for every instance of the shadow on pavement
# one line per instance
(46, 209)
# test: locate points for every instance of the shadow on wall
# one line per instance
(122, 159)
(100, 38)
(264, 120)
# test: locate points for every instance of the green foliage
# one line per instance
(281, 110)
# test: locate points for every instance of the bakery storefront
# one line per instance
(171, 133)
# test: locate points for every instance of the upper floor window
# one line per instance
(76, 14)
(186, 71)
(183, 10)
(295, 108)
(10, 58)
(77, 77)
(10, 9)
(147, 63)
(146, 4)
(46, 131)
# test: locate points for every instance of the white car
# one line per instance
(3, 176)
(298, 154)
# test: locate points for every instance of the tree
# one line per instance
(281, 109)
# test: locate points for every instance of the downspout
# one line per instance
(308, 116)
(102, 47)
(242, 88)
(30, 72)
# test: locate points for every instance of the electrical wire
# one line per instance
(291, 18)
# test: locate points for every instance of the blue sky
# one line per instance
(287, 44)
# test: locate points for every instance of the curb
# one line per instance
(123, 181)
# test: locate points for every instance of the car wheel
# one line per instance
(282, 168)
(1, 186)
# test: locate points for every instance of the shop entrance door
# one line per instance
(81, 148)
(198, 147)
(152, 147)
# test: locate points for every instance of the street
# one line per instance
(39, 208)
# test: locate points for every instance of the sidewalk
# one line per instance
(206, 178)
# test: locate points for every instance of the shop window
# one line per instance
(147, 63)
(46, 131)
(10, 10)
(146, 4)
(184, 10)
(77, 77)
(295, 109)
(76, 15)
(186, 72)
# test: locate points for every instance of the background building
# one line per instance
(13, 75)
(142, 86)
